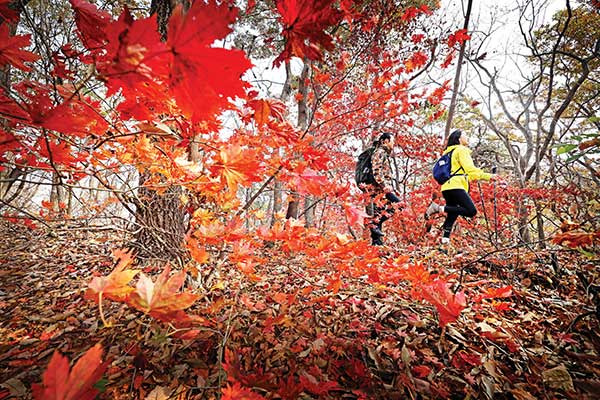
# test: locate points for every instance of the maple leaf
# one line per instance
(355, 215)
(237, 166)
(11, 52)
(448, 304)
(115, 285)
(310, 182)
(263, 109)
(238, 392)
(495, 293)
(462, 359)
(417, 60)
(7, 12)
(311, 384)
(202, 77)
(7, 143)
(448, 60)
(412, 12)
(13, 110)
(160, 299)
(460, 36)
(437, 95)
(421, 371)
(58, 383)
(57, 151)
(305, 21)
(575, 239)
(75, 118)
(91, 23)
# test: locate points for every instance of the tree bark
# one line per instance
(277, 186)
(160, 219)
(461, 56)
(293, 206)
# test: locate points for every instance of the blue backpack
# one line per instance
(442, 170)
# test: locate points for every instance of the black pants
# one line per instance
(458, 202)
(381, 214)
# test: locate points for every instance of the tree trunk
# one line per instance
(292, 211)
(461, 55)
(160, 223)
(523, 216)
(277, 186)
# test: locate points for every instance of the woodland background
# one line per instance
(179, 217)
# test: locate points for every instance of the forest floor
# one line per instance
(285, 337)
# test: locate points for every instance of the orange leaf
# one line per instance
(160, 299)
(237, 166)
(60, 384)
(115, 285)
(448, 304)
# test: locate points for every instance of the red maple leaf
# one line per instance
(238, 392)
(417, 60)
(7, 12)
(11, 52)
(202, 78)
(306, 21)
(575, 239)
(13, 110)
(7, 143)
(448, 304)
(421, 371)
(61, 384)
(460, 36)
(437, 95)
(412, 12)
(312, 385)
(75, 118)
(91, 23)
(462, 359)
(449, 58)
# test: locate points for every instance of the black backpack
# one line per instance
(364, 168)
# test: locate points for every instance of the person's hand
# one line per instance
(496, 178)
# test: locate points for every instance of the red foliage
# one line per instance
(458, 37)
(91, 23)
(61, 384)
(448, 304)
(7, 12)
(306, 21)
(11, 52)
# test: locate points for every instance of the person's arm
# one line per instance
(466, 162)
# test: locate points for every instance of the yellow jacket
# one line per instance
(462, 158)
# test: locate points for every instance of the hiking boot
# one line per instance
(444, 247)
(433, 208)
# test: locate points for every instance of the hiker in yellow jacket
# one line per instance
(456, 189)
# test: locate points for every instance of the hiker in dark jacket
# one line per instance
(456, 189)
(382, 172)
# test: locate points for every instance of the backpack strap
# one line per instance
(461, 167)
